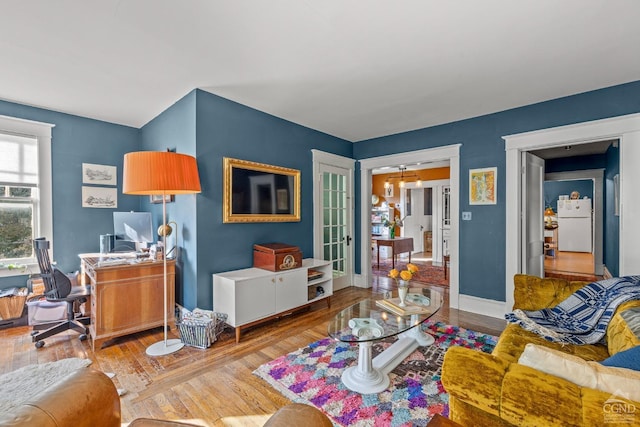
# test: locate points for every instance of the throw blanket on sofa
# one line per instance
(583, 317)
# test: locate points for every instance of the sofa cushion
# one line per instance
(618, 381)
(534, 293)
(624, 329)
(513, 340)
(629, 359)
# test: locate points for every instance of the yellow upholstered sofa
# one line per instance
(495, 390)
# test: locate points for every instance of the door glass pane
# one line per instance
(326, 182)
(428, 205)
(334, 216)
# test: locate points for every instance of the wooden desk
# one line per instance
(126, 298)
(398, 245)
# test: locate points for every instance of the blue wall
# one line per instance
(175, 129)
(228, 129)
(77, 140)
(482, 248)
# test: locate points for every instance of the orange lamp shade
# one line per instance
(160, 173)
(549, 212)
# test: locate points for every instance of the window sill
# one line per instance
(27, 270)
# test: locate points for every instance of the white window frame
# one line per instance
(43, 207)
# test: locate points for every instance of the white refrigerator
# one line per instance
(574, 225)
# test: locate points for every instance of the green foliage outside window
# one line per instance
(15, 232)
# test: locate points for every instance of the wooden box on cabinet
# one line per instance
(276, 256)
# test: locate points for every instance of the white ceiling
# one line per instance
(351, 68)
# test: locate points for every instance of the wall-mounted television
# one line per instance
(257, 192)
(133, 226)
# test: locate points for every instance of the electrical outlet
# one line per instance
(466, 216)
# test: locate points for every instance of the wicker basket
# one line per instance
(201, 332)
(12, 307)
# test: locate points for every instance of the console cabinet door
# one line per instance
(291, 289)
(254, 299)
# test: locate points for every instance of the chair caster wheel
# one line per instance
(83, 337)
(39, 344)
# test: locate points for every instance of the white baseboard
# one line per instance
(359, 282)
(486, 307)
(607, 273)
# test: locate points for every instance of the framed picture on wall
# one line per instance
(99, 174)
(483, 186)
(388, 191)
(99, 197)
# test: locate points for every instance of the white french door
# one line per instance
(333, 215)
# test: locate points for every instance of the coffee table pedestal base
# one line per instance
(372, 375)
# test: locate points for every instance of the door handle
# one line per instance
(348, 240)
(421, 227)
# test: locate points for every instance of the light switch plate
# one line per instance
(466, 216)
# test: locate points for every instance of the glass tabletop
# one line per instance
(376, 318)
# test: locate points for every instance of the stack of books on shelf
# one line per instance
(414, 304)
(313, 274)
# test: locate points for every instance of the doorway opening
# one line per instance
(448, 154)
(619, 251)
(411, 223)
(574, 204)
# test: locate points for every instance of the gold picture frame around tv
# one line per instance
(257, 192)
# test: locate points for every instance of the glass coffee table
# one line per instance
(367, 321)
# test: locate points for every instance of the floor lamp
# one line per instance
(161, 173)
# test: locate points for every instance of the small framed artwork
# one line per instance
(388, 191)
(157, 198)
(99, 197)
(99, 174)
(482, 186)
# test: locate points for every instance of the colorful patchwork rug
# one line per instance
(311, 375)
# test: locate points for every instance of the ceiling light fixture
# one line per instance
(402, 177)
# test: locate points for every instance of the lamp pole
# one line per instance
(166, 346)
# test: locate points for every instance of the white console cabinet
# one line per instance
(253, 295)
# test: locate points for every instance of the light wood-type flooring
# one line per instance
(570, 262)
(573, 265)
(212, 387)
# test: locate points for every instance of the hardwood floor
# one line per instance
(212, 387)
(570, 262)
(574, 265)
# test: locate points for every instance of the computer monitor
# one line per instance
(133, 226)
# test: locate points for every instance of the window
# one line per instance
(25, 190)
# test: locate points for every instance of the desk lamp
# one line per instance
(159, 173)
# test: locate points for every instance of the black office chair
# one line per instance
(57, 288)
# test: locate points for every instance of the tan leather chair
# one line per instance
(87, 398)
(294, 414)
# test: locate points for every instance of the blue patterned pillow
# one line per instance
(632, 319)
(629, 359)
